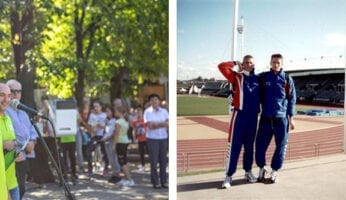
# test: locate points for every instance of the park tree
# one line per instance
(104, 46)
(134, 46)
(83, 47)
(68, 44)
(21, 25)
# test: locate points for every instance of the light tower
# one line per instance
(234, 32)
(240, 29)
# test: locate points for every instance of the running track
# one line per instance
(211, 153)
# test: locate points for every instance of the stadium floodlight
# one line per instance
(240, 29)
(235, 22)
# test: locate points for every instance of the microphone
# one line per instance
(15, 104)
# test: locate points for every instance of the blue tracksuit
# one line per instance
(244, 120)
(277, 105)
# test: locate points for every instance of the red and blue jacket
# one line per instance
(245, 88)
(246, 101)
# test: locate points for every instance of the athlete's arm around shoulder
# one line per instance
(291, 103)
(226, 68)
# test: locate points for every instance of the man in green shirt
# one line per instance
(8, 142)
(3, 186)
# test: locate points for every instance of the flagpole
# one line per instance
(233, 57)
(234, 43)
(235, 25)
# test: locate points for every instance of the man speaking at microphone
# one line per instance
(24, 131)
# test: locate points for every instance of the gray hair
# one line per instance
(11, 82)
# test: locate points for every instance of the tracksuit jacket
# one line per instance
(278, 104)
(243, 123)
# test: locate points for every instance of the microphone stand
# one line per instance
(67, 189)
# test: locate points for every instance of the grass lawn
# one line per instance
(207, 105)
(203, 105)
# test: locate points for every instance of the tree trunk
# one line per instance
(79, 93)
(116, 84)
(26, 78)
(21, 29)
(79, 87)
(83, 33)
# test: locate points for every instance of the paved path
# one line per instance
(97, 187)
(318, 178)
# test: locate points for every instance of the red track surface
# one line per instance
(211, 153)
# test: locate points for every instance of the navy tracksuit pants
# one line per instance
(267, 128)
(243, 131)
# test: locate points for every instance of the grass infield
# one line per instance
(203, 105)
(206, 105)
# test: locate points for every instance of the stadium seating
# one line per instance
(211, 87)
(320, 88)
(314, 86)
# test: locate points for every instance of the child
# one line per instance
(140, 130)
(122, 141)
(97, 122)
(109, 143)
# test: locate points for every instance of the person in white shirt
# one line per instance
(109, 143)
(156, 120)
(97, 122)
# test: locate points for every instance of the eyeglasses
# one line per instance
(16, 91)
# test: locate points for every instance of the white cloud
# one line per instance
(335, 40)
(187, 72)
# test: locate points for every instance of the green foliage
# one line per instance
(100, 39)
(21, 23)
(59, 83)
(135, 37)
(127, 34)
(56, 70)
(6, 52)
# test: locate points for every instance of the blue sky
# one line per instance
(303, 31)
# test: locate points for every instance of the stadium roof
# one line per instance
(306, 72)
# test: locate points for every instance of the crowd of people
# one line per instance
(101, 143)
(270, 94)
(105, 133)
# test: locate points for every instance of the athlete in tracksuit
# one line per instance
(278, 100)
(243, 123)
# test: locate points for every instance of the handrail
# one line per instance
(186, 158)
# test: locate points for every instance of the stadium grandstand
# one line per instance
(320, 86)
(313, 86)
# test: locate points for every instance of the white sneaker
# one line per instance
(141, 169)
(261, 174)
(273, 176)
(250, 177)
(227, 182)
(99, 169)
(130, 182)
(122, 182)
